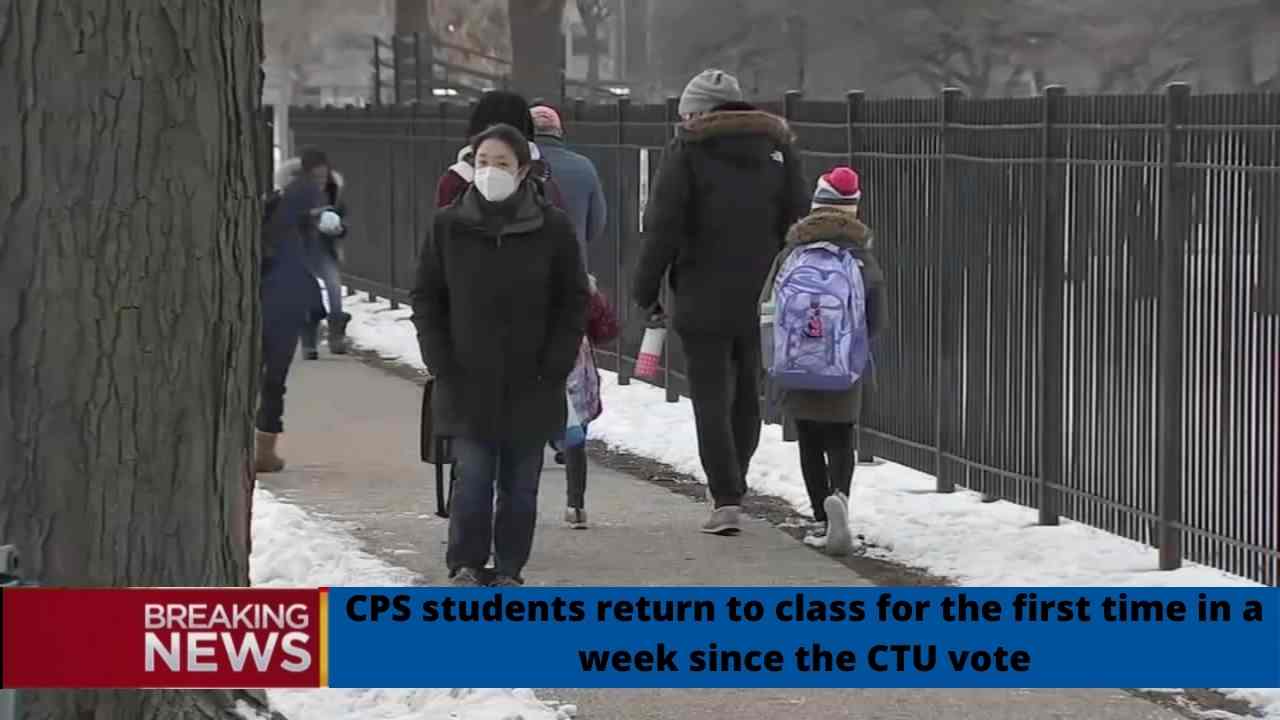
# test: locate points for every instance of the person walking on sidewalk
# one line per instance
(584, 201)
(728, 188)
(584, 405)
(575, 176)
(290, 295)
(497, 107)
(324, 257)
(837, 315)
(500, 306)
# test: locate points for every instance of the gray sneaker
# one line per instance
(505, 581)
(723, 521)
(466, 577)
(576, 518)
(839, 541)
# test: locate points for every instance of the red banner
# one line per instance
(162, 638)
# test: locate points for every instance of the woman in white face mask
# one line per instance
(500, 305)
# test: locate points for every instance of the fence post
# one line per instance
(618, 211)
(946, 114)
(1169, 398)
(395, 67)
(790, 107)
(393, 237)
(791, 103)
(853, 101)
(1052, 312)
(417, 66)
(673, 120)
(377, 70)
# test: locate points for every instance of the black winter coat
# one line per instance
(727, 191)
(500, 306)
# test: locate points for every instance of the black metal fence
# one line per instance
(1084, 291)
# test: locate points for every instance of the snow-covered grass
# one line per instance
(292, 549)
(956, 536)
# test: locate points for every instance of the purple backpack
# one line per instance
(820, 338)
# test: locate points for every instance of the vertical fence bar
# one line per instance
(946, 112)
(619, 234)
(853, 102)
(1169, 385)
(393, 227)
(790, 108)
(395, 68)
(377, 71)
(1052, 309)
(673, 120)
(417, 66)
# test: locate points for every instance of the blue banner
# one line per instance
(693, 637)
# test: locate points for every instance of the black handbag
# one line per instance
(437, 451)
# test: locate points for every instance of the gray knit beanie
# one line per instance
(709, 89)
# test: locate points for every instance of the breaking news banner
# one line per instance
(863, 637)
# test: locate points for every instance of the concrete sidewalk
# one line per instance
(352, 444)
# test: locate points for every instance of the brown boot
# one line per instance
(267, 461)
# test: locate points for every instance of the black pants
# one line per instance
(724, 381)
(575, 471)
(279, 342)
(826, 461)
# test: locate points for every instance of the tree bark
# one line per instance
(413, 16)
(129, 212)
(592, 29)
(537, 49)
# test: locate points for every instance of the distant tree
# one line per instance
(594, 14)
(983, 47)
(1142, 45)
(1248, 30)
(413, 16)
(129, 201)
(537, 46)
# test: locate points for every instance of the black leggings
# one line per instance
(826, 461)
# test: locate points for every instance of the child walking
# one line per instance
(826, 296)
(583, 393)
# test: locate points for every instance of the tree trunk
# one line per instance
(593, 57)
(129, 211)
(537, 50)
(413, 16)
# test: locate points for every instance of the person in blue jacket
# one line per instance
(290, 295)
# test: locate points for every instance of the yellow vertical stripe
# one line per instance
(324, 638)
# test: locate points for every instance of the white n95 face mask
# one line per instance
(495, 184)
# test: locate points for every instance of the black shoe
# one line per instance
(310, 338)
(338, 334)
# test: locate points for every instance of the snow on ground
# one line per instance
(893, 507)
(293, 549)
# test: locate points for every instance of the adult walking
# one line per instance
(500, 306)
(496, 107)
(324, 257)
(584, 201)
(728, 189)
(576, 178)
(290, 295)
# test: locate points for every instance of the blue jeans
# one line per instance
(475, 527)
(328, 272)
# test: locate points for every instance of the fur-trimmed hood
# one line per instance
(825, 224)
(291, 168)
(737, 123)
